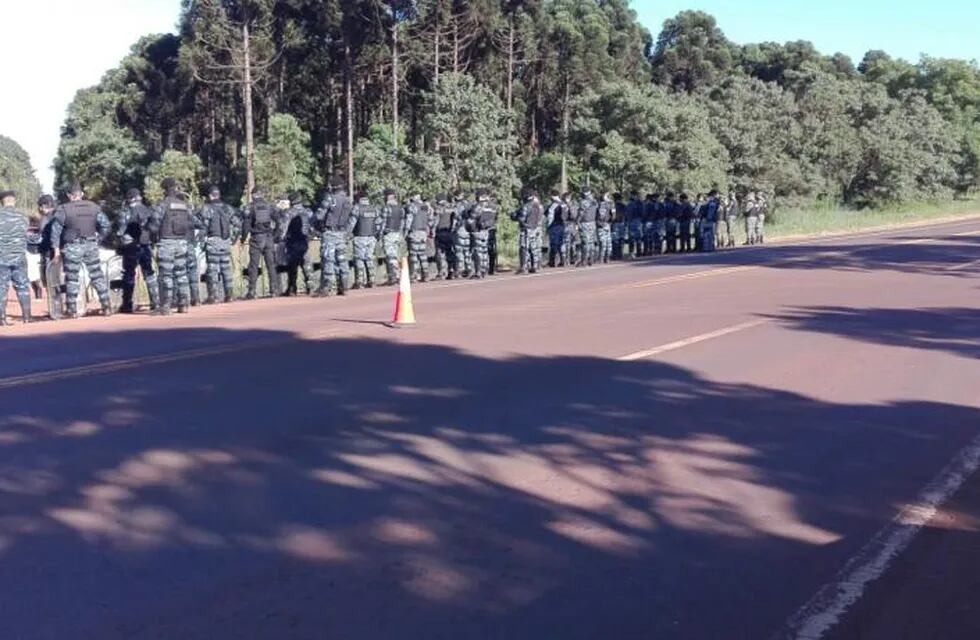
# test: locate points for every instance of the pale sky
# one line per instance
(53, 48)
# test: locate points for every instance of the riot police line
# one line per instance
(449, 236)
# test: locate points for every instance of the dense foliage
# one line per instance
(17, 173)
(435, 94)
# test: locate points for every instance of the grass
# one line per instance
(822, 220)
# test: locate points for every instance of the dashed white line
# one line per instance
(686, 342)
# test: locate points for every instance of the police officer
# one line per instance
(685, 217)
(751, 219)
(171, 225)
(462, 250)
(366, 223)
(619, 227)
(136, 248)
(604, 221)
(671, 212)
(710, 213)
(393, 225)
(555, 220)
(731, 219)
(529, 217)
(193, 267)
(13, 256)
(332, 219)
(78, 227)
(445, 255)
(484, 219)
(588, 209)
(258, 229)
(420, 223)
(650, 206)
(763, 204)
(570, 239)
(46, 206)
(634, 223)
(295, 229)
(222, 226)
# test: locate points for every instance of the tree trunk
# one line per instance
(349, 99)
(510, 66)
(394, 85)
(437, 55)
(249, 116)
(455, 44)
(564, 136)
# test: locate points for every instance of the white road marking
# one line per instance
(965, 265)
(824, 610)
(686, 342)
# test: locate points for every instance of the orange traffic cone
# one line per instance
(404, 309)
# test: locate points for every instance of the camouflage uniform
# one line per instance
(461, 240)
(393, 221)
(530, 217)
(222, 226)
(445, 254)
(604, 218)
(13, 261)
(634, 224)
(172, 222)
(588, 210)
(332, 219)
(136, 247)
(484, 219)
(366, 223)
(619, 228)
(419, 223)
(649, 224)
(685, 218)
(763, 210)
(569, 241)
(751, 220)
(77, 228)
(731, 220)
(193, 264)
(710, 212)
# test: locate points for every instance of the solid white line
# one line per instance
(965, 265)
(825, 609)
(686, 342)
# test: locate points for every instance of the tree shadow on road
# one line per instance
(365, 489)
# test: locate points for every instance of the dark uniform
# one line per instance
(13, 258)
(711, 212)
(555, 217)
(484, 219)
(420, 223)
(462, 249)
(634, 224)
(604, 222)
(620, 230)
(222, 226)
(445, 251)
(331, 219)
(77, 229)
(366, 224)
(173, 221)
(685, 218)
(258, 228)
(136, 248)
(295, 232)
(588, 212)
(671, 222)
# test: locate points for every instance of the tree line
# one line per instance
(431, 95)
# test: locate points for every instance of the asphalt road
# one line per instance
(685, 447)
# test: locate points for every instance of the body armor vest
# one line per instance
(588, 210)
(176, 223)
(80, 221)
(338, 215)
(219, 225)
(535, 214)
(262, 217)
(420, 218)
(396, 218)
(367, 221)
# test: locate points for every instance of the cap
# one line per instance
(46, 201)
(10, 193)
(133, 193)
(214, 190)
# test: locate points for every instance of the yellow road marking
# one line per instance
(686, 342)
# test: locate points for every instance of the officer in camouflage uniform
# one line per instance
(295, 230)
(529, 217)
(222, 226)
(331, 219)
(136, 248)
(697, 221)
(258, 229)
(685, 216)
(193, 267)
(763, 205)
(46, 206)
(393, 221)
(76, 231)
(650, 206)
(619, 227)
(569, 242)
(731, 219)
(484, 220)
(462, 249)
(366, 223)
(588, 209)
(555, 221)
(604, 220)
(171, 224)
(13, 256)
(751, 219)
(420, 222)
(445, 255)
